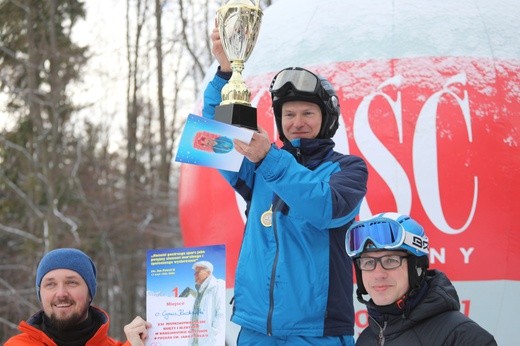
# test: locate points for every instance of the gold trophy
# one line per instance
(238, 24)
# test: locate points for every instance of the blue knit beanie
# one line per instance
(68, 258)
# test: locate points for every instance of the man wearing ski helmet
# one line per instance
(298, 84)
(409, 305)
(290, 282)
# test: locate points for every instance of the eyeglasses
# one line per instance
(300, 81)
(387, 262)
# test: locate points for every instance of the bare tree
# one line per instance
(165, 159)
(37, 61)
(61, 181)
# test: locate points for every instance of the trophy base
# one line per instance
(237, 114)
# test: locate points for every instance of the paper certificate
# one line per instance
(208, 142)
(186, 296)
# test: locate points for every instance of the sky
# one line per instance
(105, 83)
(104, 86)
(5, 121)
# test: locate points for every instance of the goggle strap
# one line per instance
(417, 242)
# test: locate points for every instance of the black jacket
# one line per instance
(435, 320)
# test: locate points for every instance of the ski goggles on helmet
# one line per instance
(298, 80)
(383, 234)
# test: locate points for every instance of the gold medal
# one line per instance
(267, 217)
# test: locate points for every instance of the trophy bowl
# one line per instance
(238, 23)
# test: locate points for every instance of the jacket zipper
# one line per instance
(381, 336)
(273, 275)
(299, 158)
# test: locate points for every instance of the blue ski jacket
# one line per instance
(293, 277)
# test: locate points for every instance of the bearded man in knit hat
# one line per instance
(66, 286)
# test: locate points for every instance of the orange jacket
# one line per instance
(32, 336)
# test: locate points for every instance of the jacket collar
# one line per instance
(310, 152)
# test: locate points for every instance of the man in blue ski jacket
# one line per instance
(293, 281)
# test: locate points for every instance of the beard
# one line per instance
(68, 322)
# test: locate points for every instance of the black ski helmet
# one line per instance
(299, 84)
